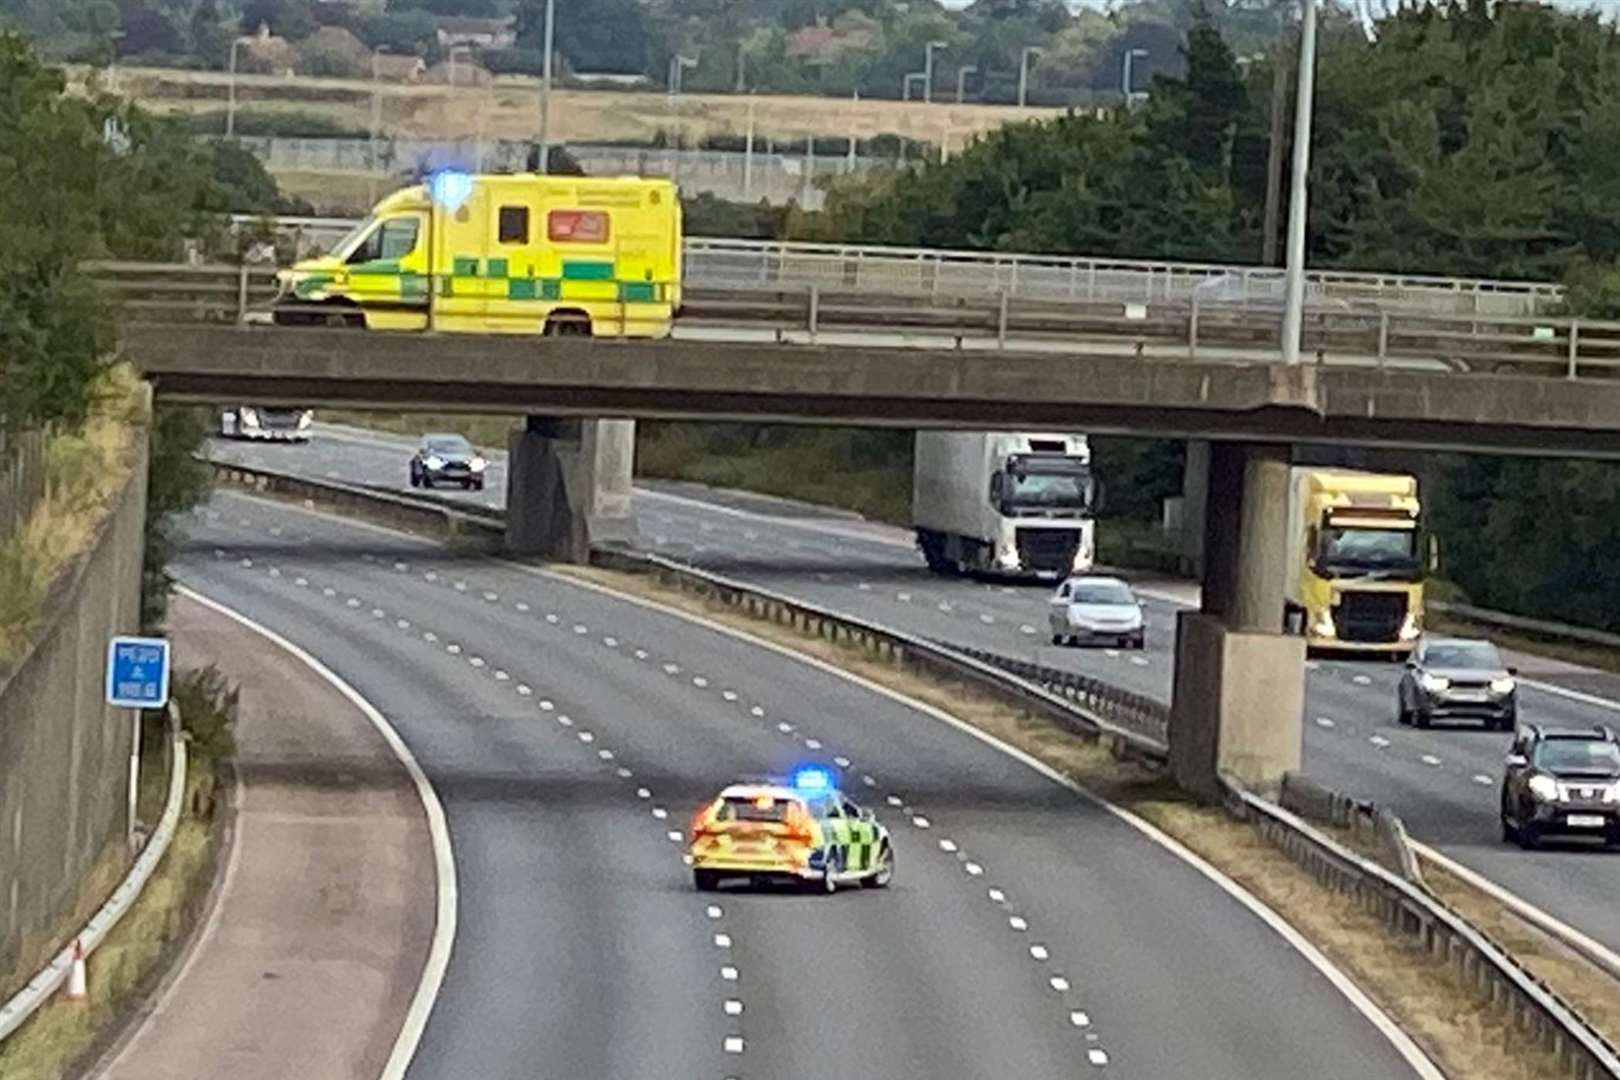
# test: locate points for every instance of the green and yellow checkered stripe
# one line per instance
(583, 279)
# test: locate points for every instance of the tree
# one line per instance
(591, 35)
(291, 19)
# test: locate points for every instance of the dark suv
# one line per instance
(1457, 679)
(1564, 781)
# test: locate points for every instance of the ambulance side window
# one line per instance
(513, 226)
(393, 239)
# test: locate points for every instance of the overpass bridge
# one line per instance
(1421, 379)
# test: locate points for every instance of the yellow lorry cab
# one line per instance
(502, 254)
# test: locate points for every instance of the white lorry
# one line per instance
(1007, 503)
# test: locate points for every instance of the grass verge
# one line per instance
(85, 470)
(487, 432)
(64, 1037)
(1458, 1029)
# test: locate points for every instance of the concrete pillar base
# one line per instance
(1238, 705)
(568, 485)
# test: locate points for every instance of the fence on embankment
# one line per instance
(64, 754)
(22, 477)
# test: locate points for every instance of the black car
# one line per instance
(1564, 781)
(447, 459)
(1457, 679)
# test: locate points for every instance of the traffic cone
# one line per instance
(78, 980)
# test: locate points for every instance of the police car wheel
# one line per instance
(884, 873)
(829, 883)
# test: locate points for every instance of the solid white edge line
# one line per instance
(1380, 1020)
(444, 924)
(1573, 695)
(1386, 1026)
(1594, 951)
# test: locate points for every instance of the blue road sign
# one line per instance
(138, 672)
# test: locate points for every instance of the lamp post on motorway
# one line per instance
(678, 64)
(928, 70)
(1127, 79)
(1023, 72)
(1293, 312)
(961, 79)
(230, 104)
(545, 90)
(905, 84)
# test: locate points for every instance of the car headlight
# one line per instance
(1434, 683)
(1410, 628)
(248, 416)
(434, 462)
(478, 464)
(1503, 685)
(305, 418)
(1611, 794)
(1544, 788)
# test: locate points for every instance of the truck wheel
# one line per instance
(705, 880)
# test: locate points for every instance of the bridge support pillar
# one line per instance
(1194, 492)
(568, 487)
(1239, 695)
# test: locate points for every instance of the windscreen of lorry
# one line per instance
(1048, 491)
(1368, 549)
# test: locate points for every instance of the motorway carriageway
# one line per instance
(1444, 782)
(570, 734)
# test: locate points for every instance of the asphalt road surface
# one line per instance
(1444, 782)
(571, 734)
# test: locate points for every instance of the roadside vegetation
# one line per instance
(64, 1037)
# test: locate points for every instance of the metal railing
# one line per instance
(732, 263)
(1162, 330)
(1404, 907)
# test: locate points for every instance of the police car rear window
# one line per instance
(763, 808)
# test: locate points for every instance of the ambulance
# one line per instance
(501, 254)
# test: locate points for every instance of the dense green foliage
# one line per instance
(87, 178)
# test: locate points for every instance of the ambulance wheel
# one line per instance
(705, 880)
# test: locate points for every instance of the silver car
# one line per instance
(1457, 679)
(1095, 608)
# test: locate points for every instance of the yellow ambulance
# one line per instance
(502, 254)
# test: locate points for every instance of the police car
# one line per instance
(804, 830)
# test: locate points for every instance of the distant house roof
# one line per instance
(465, 30)
(826, 42)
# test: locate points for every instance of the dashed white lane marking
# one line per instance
(1111, 653)
(734, 1044)
(586, 737)
(641, 654)
(401, 567)
(453, 649)
(429, 636)
(675, 836)
(973, 869)
(605, 754)
(1079, 1019)
(521, 606)
(756, 711)
(893, 800)
(722, 941)
(1324, 722)
(920, 821)
(274, 572)
(352, 602)
(1039, 952)
(1097, 1057)
(671, 669)
(728, 973)
(1026, 629)
(660, 813)
(733, 1007)
(699, 681)
(943, 606)
(476, 661)
(812, 744)
(551, 617)
(611, 642)
(868, 781)
(785, 728)
(546, 705)
(1378, 741)
(581, 629)
(1018, 922)
(903, 597)
(1361, 680)
(987, 619)
(841, 761)
(378, 613)
(491, 597)
(643, 793)
(1483, 780)
(863, 586)
(501, 676)
(430, 576)
(713, 911)
(1059, 983)
(948, 846)
(729, 695)
(996, 895)
(1139, 661)
(461, 586)
(328, 591)
(302, 583)
(1430, 760)
(565, 720)
(624, 773)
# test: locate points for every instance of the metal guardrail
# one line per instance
(1570, 348)
(718, 262)
(1137, 713)
(1543, 627)
(1406, 908)
(30, 998)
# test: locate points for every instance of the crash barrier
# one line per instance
(1369, 825)
(1405, 907)
(1139, 713)
(1542, 627)
(1536, 1013)
(27, 1002)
